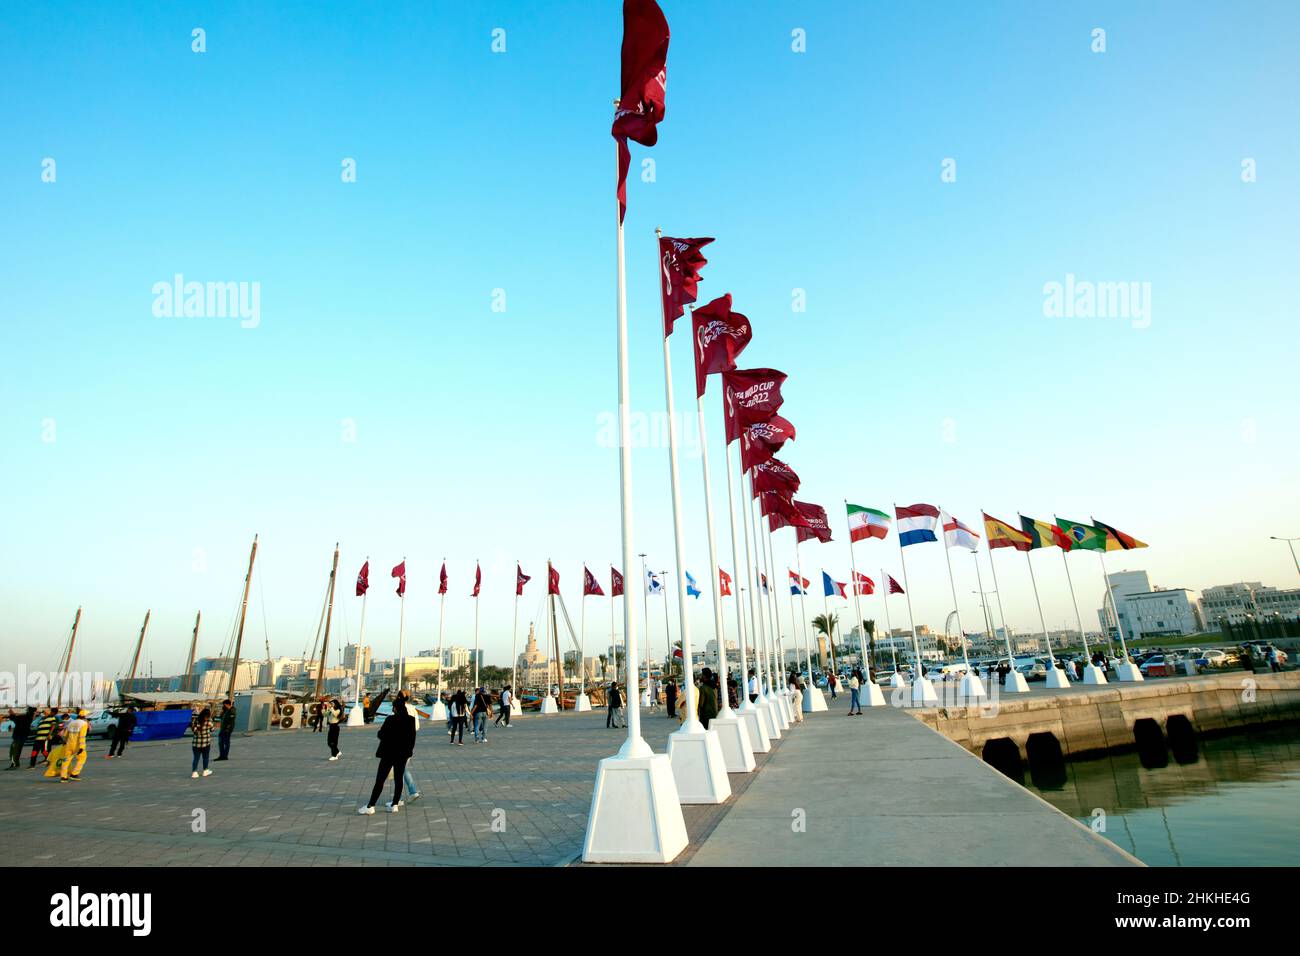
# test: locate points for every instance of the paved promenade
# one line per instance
(884, 789)
(877, 789)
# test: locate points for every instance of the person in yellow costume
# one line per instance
(72, 756)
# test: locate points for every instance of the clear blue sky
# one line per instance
(923, 369)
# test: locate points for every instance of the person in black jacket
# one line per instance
(122, 732)
(396, 745)
(22, 727)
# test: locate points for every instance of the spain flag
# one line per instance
(1002, 535)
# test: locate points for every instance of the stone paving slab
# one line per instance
(884, 789)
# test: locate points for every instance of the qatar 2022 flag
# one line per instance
(867, 523)
(916, 524)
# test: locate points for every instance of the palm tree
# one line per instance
(825, 624)
(869, 626)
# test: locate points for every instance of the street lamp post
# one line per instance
(1290, 543)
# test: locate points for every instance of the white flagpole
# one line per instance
(773, 606)
(884, 596)
(1091, 673)
(1006, 631)
(645, 605)
(764, 600)
(956, 606)
(1127, 671)
(919, 681)
(760, 744)
(582, 641)
(514, 639)
(772, 596)
(613, 637)
(357, 717)
(751, 578)
(401, 634)
(442, 618)
(803, 607)
(857, 602)
(476, 605)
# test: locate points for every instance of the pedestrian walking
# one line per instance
(333, 718)
(707, 697)
(504, 704)
(670, 697)
(201, 741)
(396, 745)
(73, 758)
(855, 696)
(22, 727)
(832, 682)
(126, 722)
(458, 711)
(41, 736)
(616, 705)
(226, 730)
(482, 706)
(753, 686)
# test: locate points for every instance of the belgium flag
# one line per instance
(1044, 535)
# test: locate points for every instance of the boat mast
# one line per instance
(194, 641)
(135, 659)
(329, 614)
(67, 661)
(243, 612)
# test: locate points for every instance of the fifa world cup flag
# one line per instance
(680, 263)
(916, 524)
(867, 523)
(644, 80)
(1083, 536)
(1117, 540)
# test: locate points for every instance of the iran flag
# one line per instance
(867, 523)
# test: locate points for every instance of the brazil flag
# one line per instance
(1083, 536)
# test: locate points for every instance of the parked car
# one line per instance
(1214, 658)
(1033, 671)
(1160, 663)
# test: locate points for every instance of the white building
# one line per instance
(1145, 611)
(1248, 600)
(354, 655)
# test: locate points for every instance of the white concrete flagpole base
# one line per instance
(897, 680)
(923, 692)
(516, 709)
(1016, 683)
(582, 703)
(548, 705)
(1092, 674)
(1128, 671)
(870, 695)
(733, 738)
(755, 729)
(770, 723)
(1056, 678)
(356, 716)
(699, 769)
(777, 711)
(972, 687)
(635, 816)
(438, 711)
(814, 701)
(786, 710)
(645, 699)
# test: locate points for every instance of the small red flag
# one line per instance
(724, 583)
(553, 583)
(641, 101)
(478, 579)
(363, 579)
(894, 586)
(442, 579)
(399, 572)
(520, 580)
(863, 584)
(590, 586)
(615, 582)
(748, 396)
(720, 336)
(680, 263)
(774, 475)
(762, 440)
(818, 526)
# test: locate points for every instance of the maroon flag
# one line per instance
(724, 583)
(363, 579)
(553, 580)
(780, 511)
(615, 582)
(399, 572)
(641, 101)
(680, 263)
(750, 395)
(720, 336)
(520, 580)
(590, 586)
(442, 579)
(894, 586)
(761, 440)
(775, 475)
(478, 579)
(863, 584)
(818, 527)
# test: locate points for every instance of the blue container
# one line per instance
(161, 724)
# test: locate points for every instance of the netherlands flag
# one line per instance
(798, 585)
(916, 524)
